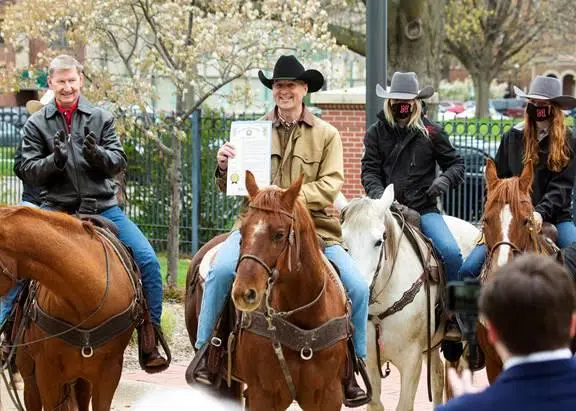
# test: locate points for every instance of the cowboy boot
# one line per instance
(354, 395)
(198, 370)
(154, 359)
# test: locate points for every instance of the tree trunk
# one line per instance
(482, 91)
(415, 39)
(175, 184)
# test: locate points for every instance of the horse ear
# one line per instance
(491, 174)
(526, 177)
(291, 194)
(387, 197)
(251, 185)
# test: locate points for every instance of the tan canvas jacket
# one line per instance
(315, 150)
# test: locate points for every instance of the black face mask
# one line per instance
(538, 113)
(401, 111)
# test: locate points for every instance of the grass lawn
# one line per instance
(182, 269)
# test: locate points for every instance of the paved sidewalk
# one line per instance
(168, 391)
(174, 377)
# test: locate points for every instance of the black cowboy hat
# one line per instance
(289, 68)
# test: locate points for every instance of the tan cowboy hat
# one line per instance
(34, 105)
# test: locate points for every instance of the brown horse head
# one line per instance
(274, 229)
(508, 214)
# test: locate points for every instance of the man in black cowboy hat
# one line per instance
(301, 144)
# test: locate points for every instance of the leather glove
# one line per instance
(537, 221)
(60, 150)
(410, 215)
(439, 186)
(91, 151)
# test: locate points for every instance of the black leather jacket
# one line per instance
(79, 185)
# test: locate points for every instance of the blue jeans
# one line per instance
(473, 264)
(566, 233)
(144, 256)
(434, 227)
(7, 301)
(221, 276)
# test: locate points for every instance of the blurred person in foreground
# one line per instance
(529, 310)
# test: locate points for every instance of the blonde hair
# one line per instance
(64, 62)
(558, 147)
(415, 120)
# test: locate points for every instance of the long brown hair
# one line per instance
(558, 147)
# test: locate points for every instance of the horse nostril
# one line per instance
(250, 296)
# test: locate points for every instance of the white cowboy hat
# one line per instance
(547, 88)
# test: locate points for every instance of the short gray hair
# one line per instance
(64, 62)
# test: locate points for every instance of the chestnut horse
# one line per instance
(83, 283)
(282, 271)
(509, 229)
(283, 279)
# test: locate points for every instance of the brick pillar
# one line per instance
(350, 120)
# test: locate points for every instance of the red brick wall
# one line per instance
(350, 120)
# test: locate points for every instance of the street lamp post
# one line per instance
(376, 55)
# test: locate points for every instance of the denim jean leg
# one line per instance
(7, 302)
(472, 266)
(145, 257)
(566, 233)
(217, 287)
(357, 291)
(435, 228)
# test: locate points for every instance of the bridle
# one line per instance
(531, 223)
(273, 272)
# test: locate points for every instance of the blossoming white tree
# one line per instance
(127, 43)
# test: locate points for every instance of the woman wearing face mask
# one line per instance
(544, 140)
(403, 147)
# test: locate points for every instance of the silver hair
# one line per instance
(64, 62)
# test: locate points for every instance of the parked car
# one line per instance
(467, 200)
(450, 106)
(511, 107)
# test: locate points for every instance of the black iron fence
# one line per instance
(205, 211)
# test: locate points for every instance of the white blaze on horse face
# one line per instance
(260, 228)
(505, 222)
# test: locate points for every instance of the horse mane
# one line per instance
(506, 191)
(269, 199)
(359, 209)
(61, 220)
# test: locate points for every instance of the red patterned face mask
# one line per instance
(538, 113)
(401, 111)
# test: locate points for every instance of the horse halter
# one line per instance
(273, 272)
(515, 249)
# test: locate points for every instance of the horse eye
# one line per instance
(378, 243)
(278, 236)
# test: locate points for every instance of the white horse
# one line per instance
(374, 238)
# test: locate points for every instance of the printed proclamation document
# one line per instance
(253, 143)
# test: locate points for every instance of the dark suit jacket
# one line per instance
(541, 386)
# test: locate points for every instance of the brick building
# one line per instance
(346, 110)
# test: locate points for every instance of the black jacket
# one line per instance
(408, 158)
(30, 193)
(551, 191)
(79, 182)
